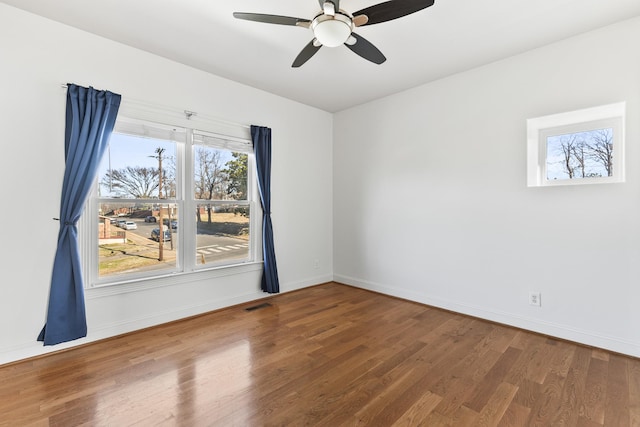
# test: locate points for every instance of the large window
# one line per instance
(578, 147)
(170, 200)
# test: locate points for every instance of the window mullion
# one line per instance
(189, 226)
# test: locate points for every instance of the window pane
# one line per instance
(222, 233)
(132, 165)
(129, 238)
(580, 155)
(219, 174)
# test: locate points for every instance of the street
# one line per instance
(209, 248)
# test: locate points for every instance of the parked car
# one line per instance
(121, 222)
(150, 218)
(155, 234)
(174, 223)
(130, 225)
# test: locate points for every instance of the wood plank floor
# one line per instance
(329, 355)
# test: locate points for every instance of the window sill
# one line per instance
(173, 279)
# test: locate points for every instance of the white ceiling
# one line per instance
(449, 37)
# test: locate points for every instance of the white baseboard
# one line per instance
(566, 332)
(312, 281)
(34, 348)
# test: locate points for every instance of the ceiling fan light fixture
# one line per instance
(332, 31)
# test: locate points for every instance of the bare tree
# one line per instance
(568, 145)
(132, 181)
(209, 176)
(168, 176)
(580, 154)
(601, 148)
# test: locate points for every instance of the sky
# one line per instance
(127, 150)
(555, 157)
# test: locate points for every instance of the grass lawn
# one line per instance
(139, 253)
(120, 257)
(225, 224)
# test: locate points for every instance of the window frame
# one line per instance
(226, 143)
(186, 265)
(602, 117)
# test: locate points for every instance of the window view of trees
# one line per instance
(130, 169)
(220, 187)
(132, 181)
(237, 174)
(141, 211)
(580, 155)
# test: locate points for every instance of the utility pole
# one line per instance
(159, 152)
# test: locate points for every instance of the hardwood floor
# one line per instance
(330, 355)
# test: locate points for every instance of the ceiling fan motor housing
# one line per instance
(332, 30)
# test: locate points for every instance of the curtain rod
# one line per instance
(188, 113)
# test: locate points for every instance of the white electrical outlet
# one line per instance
(534, 299)
(316, 264)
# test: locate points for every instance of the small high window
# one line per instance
(578, 147)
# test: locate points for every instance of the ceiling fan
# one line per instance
(333, 26)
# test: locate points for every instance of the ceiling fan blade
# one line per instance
(392, 9)
(306, 54)
(272, 19)
(365, 49)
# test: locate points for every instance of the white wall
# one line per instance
(428, 191)
(36, 57)
(431, 202)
